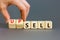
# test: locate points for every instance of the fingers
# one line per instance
(5, 13)
(22, 9)
(27, 6)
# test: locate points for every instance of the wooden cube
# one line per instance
(33, 24)
(27, 25)
(41, 24)
(11, 24)
(48, 24)
(19, 24)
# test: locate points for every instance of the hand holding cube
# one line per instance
(22, 5)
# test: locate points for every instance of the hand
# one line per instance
(22, 5)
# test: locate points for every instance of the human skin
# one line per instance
(22, 5)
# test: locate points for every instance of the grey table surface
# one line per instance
(22, 34)
(40, 10)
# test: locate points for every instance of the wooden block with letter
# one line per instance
(11, 24)
(41, 24)
(48, 24)
(33, 24)
(19, 24)
(27, 25)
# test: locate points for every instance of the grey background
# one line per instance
(40, 10)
